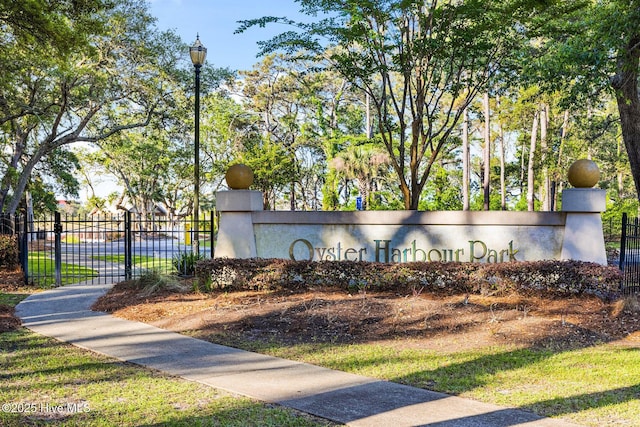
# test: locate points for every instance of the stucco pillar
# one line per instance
(583, 236)
(236, 238)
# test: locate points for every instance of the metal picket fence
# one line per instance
(61, 249)
(630, 254)
(65, 249)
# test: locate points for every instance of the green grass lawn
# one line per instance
(595, 386)
(12, 299)
(42, 266)
(48, 383)
(142, 261)
(592, 386)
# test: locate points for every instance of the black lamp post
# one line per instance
(198, 54)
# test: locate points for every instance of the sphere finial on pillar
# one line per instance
(583, 173)
(239, 177)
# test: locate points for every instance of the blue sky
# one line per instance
(216, 21)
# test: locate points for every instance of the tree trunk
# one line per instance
(557, 174)
(523, 150)
(620, 174)
(503, 187)
(368, 116)
(24, 177)
(545, 186)
(7, 181)
(292, 196)
(530, 173)
(625, 83)
(466, 175)
(487, 152)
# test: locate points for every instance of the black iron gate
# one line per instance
(630, 254)
(68, 249)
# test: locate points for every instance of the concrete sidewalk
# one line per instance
(64, 313)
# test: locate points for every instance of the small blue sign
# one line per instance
(359, 203)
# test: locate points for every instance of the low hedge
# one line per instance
(540, 277)
(9, 255)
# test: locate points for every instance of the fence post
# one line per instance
(212, 234)
(128, 264)
(57, 230)
(623, 242)
(623, 251)
(23, 245)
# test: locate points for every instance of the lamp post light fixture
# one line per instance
(198, 54)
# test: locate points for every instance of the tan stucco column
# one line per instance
(235, 234)
(583, 236)
(236, 238)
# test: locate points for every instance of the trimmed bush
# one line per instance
(554, 278)
(9, 255)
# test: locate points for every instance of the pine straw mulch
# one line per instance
(418, 320)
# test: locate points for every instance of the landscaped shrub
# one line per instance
(153, 282)
(9, 255)
(541, 277)
(185, 263)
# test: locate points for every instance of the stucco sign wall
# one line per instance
(408, 236)
(247, 231)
